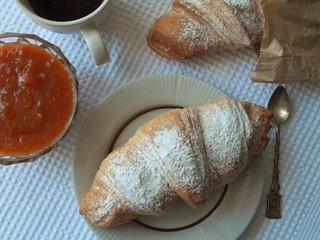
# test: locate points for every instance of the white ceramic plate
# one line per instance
(228, 210)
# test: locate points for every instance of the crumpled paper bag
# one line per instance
(290, 49)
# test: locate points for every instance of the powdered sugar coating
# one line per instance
(227, 141)
(184, 153)
(219, 24)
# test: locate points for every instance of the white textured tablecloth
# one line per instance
(37, 200)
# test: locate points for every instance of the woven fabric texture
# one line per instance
(37, 200)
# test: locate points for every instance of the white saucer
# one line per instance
(228, 210)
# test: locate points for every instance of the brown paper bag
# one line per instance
(290, 49)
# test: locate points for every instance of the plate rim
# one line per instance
(171, 80)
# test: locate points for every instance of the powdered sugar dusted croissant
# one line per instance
(183, 153)
(194, 27)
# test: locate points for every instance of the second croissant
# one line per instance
(195, 27)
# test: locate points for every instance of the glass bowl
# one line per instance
(9, 157)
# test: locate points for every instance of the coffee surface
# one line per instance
(64, 10)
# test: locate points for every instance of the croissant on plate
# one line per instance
(194, 27)
(182, 153)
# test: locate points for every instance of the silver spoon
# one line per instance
(279, 105)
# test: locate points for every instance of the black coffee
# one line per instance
(64, 10)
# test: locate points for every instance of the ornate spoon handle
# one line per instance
(274, 198)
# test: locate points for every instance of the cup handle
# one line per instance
(95, 44)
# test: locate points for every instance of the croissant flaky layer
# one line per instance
(194, 27)
(183, 153)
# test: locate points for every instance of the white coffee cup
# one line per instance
(86, 25)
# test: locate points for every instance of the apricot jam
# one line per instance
(36, 98)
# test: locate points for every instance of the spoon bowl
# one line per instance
(279, 105)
